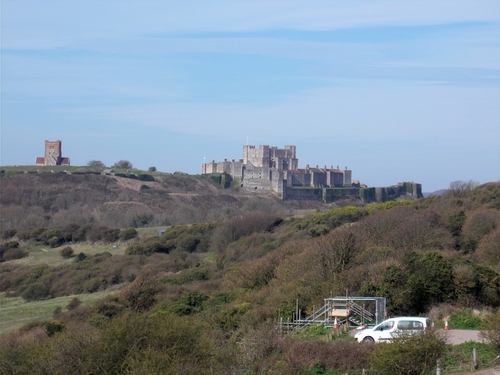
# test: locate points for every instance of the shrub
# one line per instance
(465, 321)
(53, 241)
(80, 257)
(134, 250)
(12, 254)
(110, 235)
(67, 252)
(73, 304)
(57, 311)
(127, 234)
(491, 329)
(8, 251)
(409, 354)
(7, 233)
(51, 328)
(35, 292)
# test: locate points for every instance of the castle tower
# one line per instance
(53, 153)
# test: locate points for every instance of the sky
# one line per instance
(393, 90)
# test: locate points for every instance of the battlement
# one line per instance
(271, 169)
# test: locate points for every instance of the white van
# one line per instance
(388, 328)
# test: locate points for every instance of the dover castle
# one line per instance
(271, 169)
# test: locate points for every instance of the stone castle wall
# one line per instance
(269, 169)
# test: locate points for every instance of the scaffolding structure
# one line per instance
(349, 312)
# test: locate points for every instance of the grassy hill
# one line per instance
(203, 297)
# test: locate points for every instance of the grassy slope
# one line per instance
(15, 312)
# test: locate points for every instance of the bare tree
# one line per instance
(95, 163)
(462, 189)
(123, 164)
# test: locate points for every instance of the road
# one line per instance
(454, 336)
(459, 336)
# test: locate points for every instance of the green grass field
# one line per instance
(39, 254)
(15, 312)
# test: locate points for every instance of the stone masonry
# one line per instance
(53, 155)
(271, 169)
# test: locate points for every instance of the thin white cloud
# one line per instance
(50, 24)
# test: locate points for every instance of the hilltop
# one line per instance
(47, 196)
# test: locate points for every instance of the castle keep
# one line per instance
(271, 169)
(53, 155)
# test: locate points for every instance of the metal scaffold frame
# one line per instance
(349, 311)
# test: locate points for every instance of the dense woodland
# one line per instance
(204, 297)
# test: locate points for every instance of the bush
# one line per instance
(127, 234)
(110, 235)
(51, 328)
(464, 322)
(134, 250)
(67, 252)
(35, 292)
(410, 355)
(12, 254)
(80, 257)
(7, 233)
(73, 304)
(7, 251)
(53, 241)
(491, 329)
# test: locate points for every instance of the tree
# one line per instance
(152, 169)
(461, 189)
(95, 163)
(123, 164)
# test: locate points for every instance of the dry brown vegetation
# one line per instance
(223, 283)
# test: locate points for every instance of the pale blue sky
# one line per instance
(394, 90)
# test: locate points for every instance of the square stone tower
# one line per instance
(53, 153)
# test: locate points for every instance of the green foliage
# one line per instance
(128, 234)
(408, 354)
(35, 292)
(463, 319)
(188, 303)
(187, 276)
(386, 205)
(430, 281)
(51, 328)
(459, 357)
(229, 318)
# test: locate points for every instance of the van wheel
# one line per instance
(368, 339)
